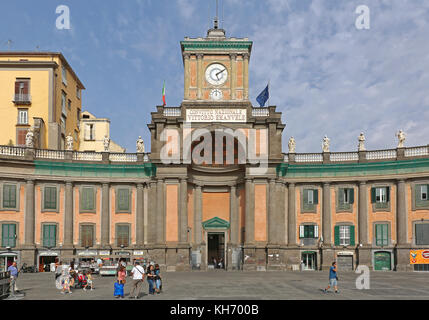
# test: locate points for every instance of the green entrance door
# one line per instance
(382, 261)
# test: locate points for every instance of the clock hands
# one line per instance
(220, 73)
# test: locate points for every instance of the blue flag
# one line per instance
(263, 97)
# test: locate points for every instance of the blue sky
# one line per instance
(326, 76)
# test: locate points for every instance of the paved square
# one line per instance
(241, 285)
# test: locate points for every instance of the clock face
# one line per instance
(216, 74)
(216, 94)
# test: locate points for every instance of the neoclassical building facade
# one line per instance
(267, 211)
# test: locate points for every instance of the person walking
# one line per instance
(138, 274)
(333, 278)
(13, 270)
(121, 279)
(151, 278)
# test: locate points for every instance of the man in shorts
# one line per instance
(333, 278)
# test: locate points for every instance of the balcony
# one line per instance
(21, 98)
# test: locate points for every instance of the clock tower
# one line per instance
(216, 68)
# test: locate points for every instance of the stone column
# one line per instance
(403, 246)
(105, 215)
(140, 216)
(326, 215)
(68, 215)
(401, 213)
(246, 75)
(234, 228)
(364, 251)
(183, 221)
(186, 57)
(272, 216)
(280, 216)
(160, 212)
(151, 214)
(363, 213)
(249, 235)
(30, 218)
(198, 212)
(200, 72)
(233, 79)
(291, 215)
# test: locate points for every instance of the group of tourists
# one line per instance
(152, 273)
(67, 277)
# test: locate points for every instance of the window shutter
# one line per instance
(337, 235)
(315, 197)
(26, 87)
(87, 129)
(17, 84)
(352, 235)
(340, 196)
(386, 235)
(316, 232)
(301, 231)
(387, 194)
(373, 197)
(351, 195)
(4, 235)
(305, 196)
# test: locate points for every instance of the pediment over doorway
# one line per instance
(215, 223)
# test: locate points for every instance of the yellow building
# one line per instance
(93, 131)
(39, 89)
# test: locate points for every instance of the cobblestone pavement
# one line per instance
(241, 285)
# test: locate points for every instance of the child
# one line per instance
(89, 281)
(66, 285)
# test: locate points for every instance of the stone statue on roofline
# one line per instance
(325, 144)
(140, 145)
(69, 142)
(29, 138)
(106, 143)
(401, 138)
(361, 139)
(292, 145)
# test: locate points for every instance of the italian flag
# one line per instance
(163, 94)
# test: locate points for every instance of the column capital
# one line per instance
(200, 55)
(233, 186)
(186, 55)
(105, 184)
(139, 185)
(291, 184)
(246, 55)
(362, 183)
(30, 181)
(233, 56)
(69, 182)
(400, 180)
(272, 180)
(183, 180)
(247, 179)
(326, 184)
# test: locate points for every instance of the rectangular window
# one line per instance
(123, 201)
(22, 116)
(310, 199)
(78, 92)
(89, 132)
(8, 235)
(87, 236)
(309, 232)
(22, 91)
(423, 192)
(64, 74)
(9, 196)
(123, 235)
(380, 196)
(49, 235)
(382, 234)
(69, 104)
(87, 202)
(422, 234)
(344, 235)
(50, 198)
(345, 198)
(63, 103)
(20, 136)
